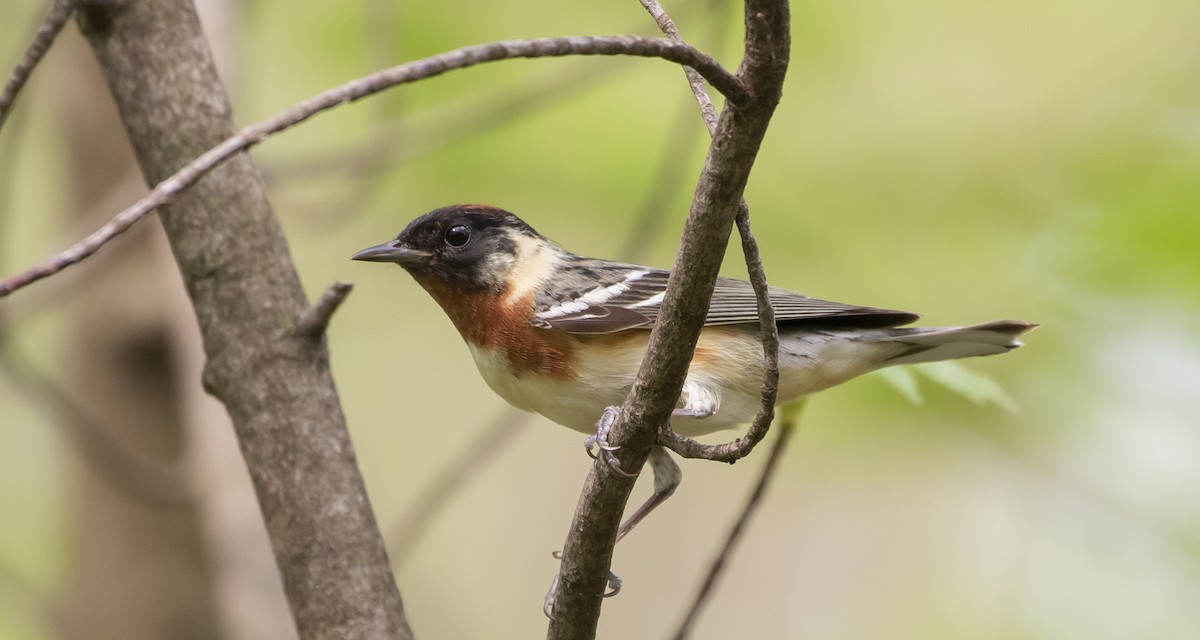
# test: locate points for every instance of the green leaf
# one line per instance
(972, 385)
(902, 380)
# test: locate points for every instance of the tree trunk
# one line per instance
(274, 382)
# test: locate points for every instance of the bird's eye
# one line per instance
(458, 235)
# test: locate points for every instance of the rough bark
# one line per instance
(275, 384)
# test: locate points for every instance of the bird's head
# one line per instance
(471, 248)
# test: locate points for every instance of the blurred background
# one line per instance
(969, 161)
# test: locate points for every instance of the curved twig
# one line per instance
(168, 190)
(51, 25)
(731, 452)
(741, 447)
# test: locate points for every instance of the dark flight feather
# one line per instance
(588, 308)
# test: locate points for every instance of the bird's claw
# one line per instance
(595, 441)
(548, 602)
(601, 437)
(614, 587)
(600, 441)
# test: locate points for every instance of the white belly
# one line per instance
(806, 366)
(576, 404)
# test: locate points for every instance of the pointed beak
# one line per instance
(392, 251)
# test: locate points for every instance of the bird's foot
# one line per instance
(614, 587)
(600, 441)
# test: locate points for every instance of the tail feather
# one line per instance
(932, 344)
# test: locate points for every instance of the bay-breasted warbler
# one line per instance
(563, 335)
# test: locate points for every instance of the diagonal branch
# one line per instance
(787, 426)
(466, 465)
(672, 167)
(741, 126)
(695, 80)
(236, 266)
(168, 190)
(52, 24)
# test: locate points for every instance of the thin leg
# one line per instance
(667, 476)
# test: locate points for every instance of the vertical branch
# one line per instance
(587, 552)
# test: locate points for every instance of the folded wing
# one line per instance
(611, 298)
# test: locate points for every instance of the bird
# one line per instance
(563, 335)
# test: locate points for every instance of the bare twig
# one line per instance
(767, 328)
(399, 140)
(168, 190)
(695, 80)
(741, 447)
(587, 552)
(671, 171)
(787, 425)
(52, 24)
(315, 319)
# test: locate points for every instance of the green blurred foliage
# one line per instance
(971, 161)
